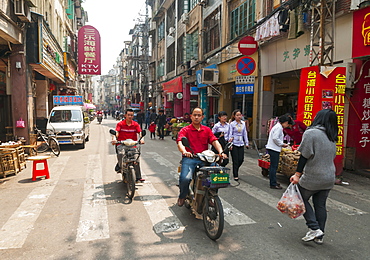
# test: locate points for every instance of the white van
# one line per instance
(69, 125)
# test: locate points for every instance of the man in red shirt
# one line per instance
(128, 129)
(199, 137)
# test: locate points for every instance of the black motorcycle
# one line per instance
(203, 191)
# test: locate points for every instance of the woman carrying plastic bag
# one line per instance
(315, 173)
(291, 203)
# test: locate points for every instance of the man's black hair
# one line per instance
(196, 108)
(222, 113)
(284, 118)
(129, 110)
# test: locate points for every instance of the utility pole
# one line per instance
(322, 32)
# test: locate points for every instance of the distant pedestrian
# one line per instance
(161, 122)
(151, 129)
(238, 136)
(315, 172)
(147, 118)
(140, 118)
(221, 131)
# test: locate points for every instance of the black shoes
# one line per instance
(277, 187)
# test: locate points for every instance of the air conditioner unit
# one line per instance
(170, 96)
(171, 31)
(185, 18)
(209, 76)
(22, 10)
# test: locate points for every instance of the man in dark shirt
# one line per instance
(161, 122)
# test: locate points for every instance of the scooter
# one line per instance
(203, 191)
(100, 118)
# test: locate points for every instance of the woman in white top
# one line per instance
(273, 147)
(221, 131)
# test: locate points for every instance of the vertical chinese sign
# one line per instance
(89, 61)
(323, 91)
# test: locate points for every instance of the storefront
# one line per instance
(358, 131)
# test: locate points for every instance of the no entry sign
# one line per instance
(246, 66)
(247, 45)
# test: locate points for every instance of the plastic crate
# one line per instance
(263, 164)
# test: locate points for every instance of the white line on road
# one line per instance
(15, 231)
(235, 217)
(93, 223)
(162, 217)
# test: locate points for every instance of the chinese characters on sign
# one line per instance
(339, 92)
(89, 51)
(365, 130)
(67, 100)
(296, 52)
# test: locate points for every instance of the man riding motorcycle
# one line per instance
(128, 129)
(199, 137)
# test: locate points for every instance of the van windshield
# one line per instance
(58, 116)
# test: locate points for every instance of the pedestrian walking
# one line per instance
(238, 136)
(221, 131)
(153, 116)
(315, 173)
(147, 118)
(273, 147)
(151, 129)
(161, 122)
(140, 118)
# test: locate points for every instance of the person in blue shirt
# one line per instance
(221, 131)
(239, 137)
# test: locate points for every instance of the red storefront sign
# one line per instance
(174, 85)
(361, 33)
(89, 61)
(319, 92)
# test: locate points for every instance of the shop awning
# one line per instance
(174, 85)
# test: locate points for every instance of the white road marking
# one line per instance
(344, 208)
(161, 216)
(15, 231)
(233, 216)
(93, 223)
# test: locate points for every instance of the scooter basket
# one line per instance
(215, 177)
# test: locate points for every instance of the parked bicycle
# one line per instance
(45, 143)
(131, 153)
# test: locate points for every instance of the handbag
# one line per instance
(20, 123)
(291, 203)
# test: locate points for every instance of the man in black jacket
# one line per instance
(161, 122)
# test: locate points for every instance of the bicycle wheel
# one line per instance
(54, 146)
(213, 216)
(43, 147)
(131, 178)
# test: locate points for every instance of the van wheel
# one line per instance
(82, 146)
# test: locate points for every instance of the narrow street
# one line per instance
(81, 212)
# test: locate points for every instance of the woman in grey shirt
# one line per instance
(315, 173)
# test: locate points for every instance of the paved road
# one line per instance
(81, 212)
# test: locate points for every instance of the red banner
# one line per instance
(323, 91)
(361, 33)
(174, 85)
(89, 61)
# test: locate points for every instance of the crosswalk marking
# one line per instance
(93, 223)
(15, 231)
(235, 217)
(161, 216)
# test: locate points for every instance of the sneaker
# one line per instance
(319, 241)
(140, 180)
(312, 234)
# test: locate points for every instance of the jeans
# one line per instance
(315, 217)
(188, 166)
(237, 154)
(161, 131)
(136, 164)
(274, 163)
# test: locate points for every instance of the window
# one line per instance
(161, 31)
(193, 3)
(242, 18)
(192, 46)
(180, 50)
(171, 58)
(212, 31)
(160, 70)
(170, 17)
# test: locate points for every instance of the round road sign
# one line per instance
(247, 45)
(246, 66)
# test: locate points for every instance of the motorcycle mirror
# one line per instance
(143, 133)
(112, 131)
(185, 142)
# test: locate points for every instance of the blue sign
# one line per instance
(244, 89)
(246, 66)
(68, 100)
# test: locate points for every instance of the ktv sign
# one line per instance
(89, 61)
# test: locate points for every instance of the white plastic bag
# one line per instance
(291, 203)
